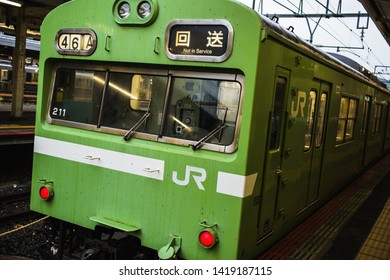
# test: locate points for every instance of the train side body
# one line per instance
(279, 166)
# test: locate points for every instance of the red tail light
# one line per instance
(208, 238)
(46, 192)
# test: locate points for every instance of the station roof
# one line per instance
(35, 11)
(379, 11)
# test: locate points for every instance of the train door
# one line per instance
(364, 129)
(387, 137)
(315, 116)
(277, 119)
(386, 114)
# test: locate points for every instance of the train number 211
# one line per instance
(60, 112)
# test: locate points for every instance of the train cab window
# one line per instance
(131, 99)
(310, 119)
(377, 118)
(77, 96)
(277, 113)
(200, 110)
(347, 118)
(203, 110)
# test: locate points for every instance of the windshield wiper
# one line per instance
(219, 128)
(143, 119)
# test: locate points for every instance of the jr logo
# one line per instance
(199, 177)
(301, 105)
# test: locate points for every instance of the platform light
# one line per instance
(144, 10)
(124, 10)
(12, 3)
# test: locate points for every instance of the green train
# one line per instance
(192, 129)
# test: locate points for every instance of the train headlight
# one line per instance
(135, 12)
(144, 10)
(124, 10)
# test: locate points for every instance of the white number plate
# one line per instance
(76, 41)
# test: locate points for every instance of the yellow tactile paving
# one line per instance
(377, 245)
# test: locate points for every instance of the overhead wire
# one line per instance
(334, 34)
(324, 29)
(339, 38)
(370, 50)
(359, 37)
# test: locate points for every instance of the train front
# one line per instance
(141, 126)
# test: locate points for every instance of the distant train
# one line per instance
(192, 129)
(30, 86)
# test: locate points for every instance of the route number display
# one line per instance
(76, 42)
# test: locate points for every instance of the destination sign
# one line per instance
(76, 42)
(201, 40)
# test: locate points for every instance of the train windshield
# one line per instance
(77, 96)
(173, 108)
(129, 97)
(199, 107)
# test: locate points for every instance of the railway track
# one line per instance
(15, 206)
(21, 232)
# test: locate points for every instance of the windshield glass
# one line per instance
(129, 97)
(77, 96)
(180, 110)
(198, 106)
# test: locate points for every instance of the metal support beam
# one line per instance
(18, 63)
(344, 15)
(382, 70)
(315, 28)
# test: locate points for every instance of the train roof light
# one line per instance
(124, 10)
(144, 10)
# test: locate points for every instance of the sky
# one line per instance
(334, 31)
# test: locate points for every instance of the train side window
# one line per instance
(277, 113)
(351, 119)
(377, 118)
(347, 119)
(77, 96)
(310, 119)
(321, 119)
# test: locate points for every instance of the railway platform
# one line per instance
(354, 225)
